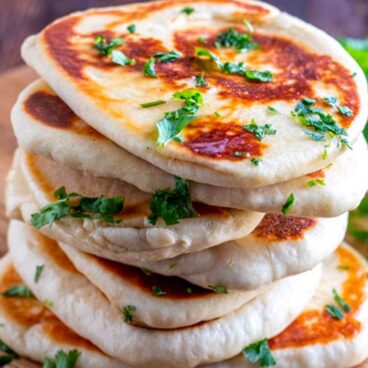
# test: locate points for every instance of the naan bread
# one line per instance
(32, 331)
(305, 62)
(33, 179)
(45, 125)
(83, 307)
(315, 339)
(279, 247)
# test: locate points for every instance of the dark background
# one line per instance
(19, 18)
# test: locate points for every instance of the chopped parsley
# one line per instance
(200, 81)
(217, 114)
(152, 103)
(220, 289)
(157, 291)
(75, 205)
(146, 271)
(49, 303)
(288, 204)
(260, 131)
(38, 272)
(165, 57)
(241, 154)
(106, 48)
(202, 40)
(149, 68)
(188, 10)
(249, 26)
(255, 161)
(340, 301)
(344, 110)
(242, 42)
(199, 51)
(259, 353)
(118, 57)
(132, 28)
(314, 182)
(189, 290)
(128, 313)
(320, 125)
(173, 122)
(334, 312)
(273, 110)
(172, 204)
(20, 291)
(9, 356)
(62, 360)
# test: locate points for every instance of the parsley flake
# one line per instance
(165, 57)
(173, 122)
(313, 183)
(128, 313)
(9, 356)
(38, 273)
(146, 271)
(200, 81)
(259, 352)
(220, 289)
(149, 68)
(106, 48)
(172, 204)
(152, 104)
(189, 290)
(241, 154)
(260, 131)
(288, 204)
(157, 291)
(345, 111)
(132, 28)
(20, 291)
(201, 40)
(340, 301)
(49, 303)
(273, 110)
(118, 57)
(188, 10)
(334, 312)
(75, 205)
(62, 360)
(242, 42)
(255, 161)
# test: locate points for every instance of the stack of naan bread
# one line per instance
(180, 192)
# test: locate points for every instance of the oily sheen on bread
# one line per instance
(45, 125)
(305, 63)
(81, 306)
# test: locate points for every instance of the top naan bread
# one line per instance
(305, 62)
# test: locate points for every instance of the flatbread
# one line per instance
(305, 61)
(32, 182)
(31, 330)
(45, 125)
(80, 305)
(315, 339)
(280, 246)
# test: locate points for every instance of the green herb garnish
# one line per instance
(340, 301)
(132, 28)
(200, 81)
(314, 182)
(273, 110)
(253, 75)
(146, 271)
(38, 273)
(9, 356)
(255, 161)
(187, 10)
(259, 353)
(49, 303)
(172, 204)
(62, 360)
(128, 313)
(105, 48)
(260, 131)
(334, 312)
(75, 205)
(242, 42)
(118, 57)
(21, 291)
(157, 291)
(343, 267)
(189, 290)
(151, 104)
(241, 154)
(220, 289)
(173, 122)
(202, 40)
(288, 204)
(165, 57)
(149, 68)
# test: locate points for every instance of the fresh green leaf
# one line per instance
(149, 68)
(49, 303)
(273, 110)
(258, 76)
(21, 291)
(198, 51)
(85, 207)
(255, 161)
(105, 48)
(132, 28)
(157, 291)
(345, 111)
(5, 360)
(340, 301)
(314, 182)
(152, 104)
(220, 289)
(63, 360)
(8, 350)
(118, 57)
(242, 42)
(128, 313)
(334, 312)
(217, 114)
(259, 353)
(165, 57)
(253, 75)
(200, 81)
(241, 154)
(331, 100)
(172, 204)
(38, 273)
(260, 131)
(202, 40)
(249, 26)
(288, 204)
(188, 10)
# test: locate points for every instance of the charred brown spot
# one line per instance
(49, 109)
(275, 227)
(174, 287)
(222, 140)
(318, 327)
(319, 174)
